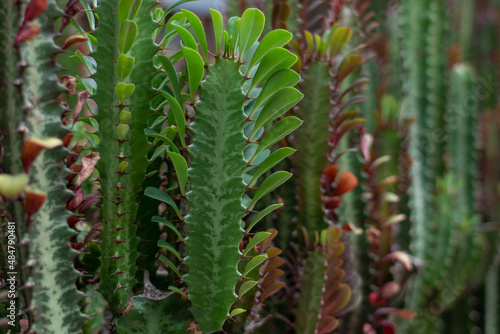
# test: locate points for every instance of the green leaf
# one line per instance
(169, 264)
(272, 182)
(181, 169)
(309, 42)
(275, 39)
(245, 287)
(172, 76)
(126, 36)
(338, 40)
(276, 59)
(165, 245)
(179, 116)
(124, 91)
(151, 133)
(271, 161)
(194, 64)
(186, 36)
(350, 64)
(282, 78)
(162, 196)
(262, 214)
(198, 30)
(124, 66)
(127, 9)
(278, 131)
(254, 263)
(237, 311)
(218, 29)
(258, 238)
(250, 28)
(281, 102)
(176, 289)
(158, 219)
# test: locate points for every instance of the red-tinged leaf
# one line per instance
(345, 116)
(272, 276)
(88, 161)
(77, 245)
(273, 263)
(348, 126)
(346, 183)
(339, 301)
(35, 9)
(72, 221)
(24, 323)
(390, 290)
(92, 234)
(270, 238)
(74, 39)
(82, 98)
(332, 203)
(402, 257)
(72, 7)
(273, 251)
(67, 139)
(87, 202)
(34, 201)
(326, 325)
(349, 65)
(27, 33)
(270, 290)
(330, 174)
(75, 169)
(34, 146)
(405, 314)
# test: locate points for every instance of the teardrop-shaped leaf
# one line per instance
(126, 36)
(275, 39)
(270, 290)
(280, 79)
(278, 131)
(276, 59)
(124, 66)
(172, 76)
(256, 261)
(272, 276)
(338, 40)
(158, 219)
(11, 186)
(162, 196)
(165, 245)
(181, 169)
(281, 102)
(350, 64)
(262, 214)
(179, 116)
(199, 31)
(195, 69)
(186, 36)
(237, 311)
(272, 182)
(258, 238)
(218, 29)
(271, 161)
(169, 264)
(245, 287)
(127, 9)
(124, 91)
(250, 28)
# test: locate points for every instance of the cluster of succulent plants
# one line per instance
(292, 167)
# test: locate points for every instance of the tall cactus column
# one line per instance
(125, 69)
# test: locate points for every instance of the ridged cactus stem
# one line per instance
(467, 12)
(124, 93)
(55, 296)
